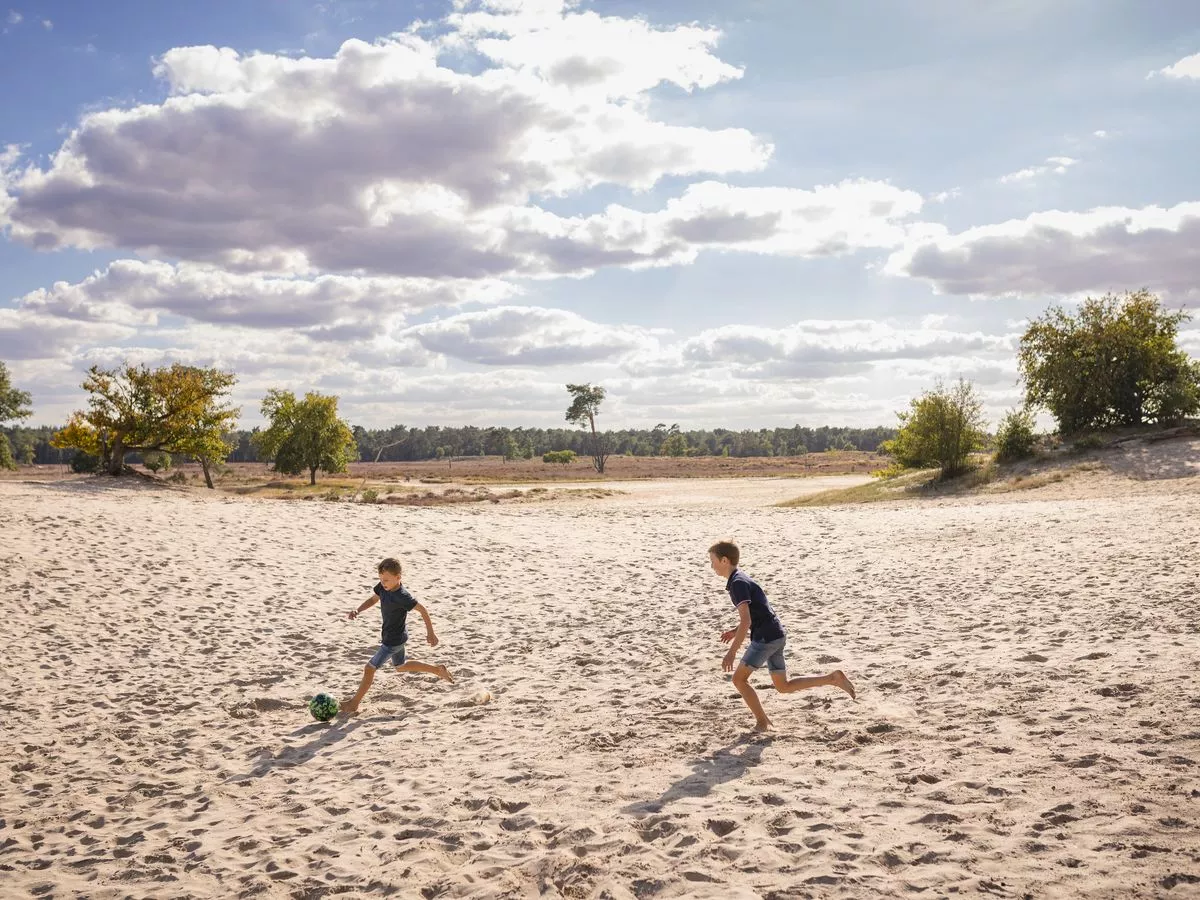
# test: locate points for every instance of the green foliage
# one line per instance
(26, 451)
(305, 435)
(893, 470)
(175, 409)
(370, 495)
(1115, 363)
(156, 461)
(1015, 439)
(85, 463)
(14, 404)
(563, 457)
(511, 450)
(942, 428)
(1087, 442)
(585, 406)
(675, 445)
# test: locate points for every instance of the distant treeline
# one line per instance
(403, 444)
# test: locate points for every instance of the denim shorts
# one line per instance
(382, 654)
(769, 652)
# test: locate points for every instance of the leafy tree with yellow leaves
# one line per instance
(173, 409)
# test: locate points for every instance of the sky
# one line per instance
(737, 215)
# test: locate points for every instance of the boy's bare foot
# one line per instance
(444, 674)
(348, 710)
(762, 727)
(840, 680)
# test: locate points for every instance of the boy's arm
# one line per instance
(429, 635)
(739, 635)
(365, 605)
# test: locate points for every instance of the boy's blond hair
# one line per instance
(726, 550)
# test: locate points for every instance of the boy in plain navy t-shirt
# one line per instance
(395, 603)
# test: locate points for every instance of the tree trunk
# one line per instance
(116, 461)
(597, 456)
(207, 472)
(312, 475)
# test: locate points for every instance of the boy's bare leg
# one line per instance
(741, 681)
(836, 678)
(351, 705)
(440, 671)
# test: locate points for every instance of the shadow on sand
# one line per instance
(729, 763)
(326, 735)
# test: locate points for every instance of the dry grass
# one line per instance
(346, 490)
(987, 477)
(899, 487)
(494, 470)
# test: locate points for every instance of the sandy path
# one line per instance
(1029, 721)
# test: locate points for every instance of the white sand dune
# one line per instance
(1028, 722)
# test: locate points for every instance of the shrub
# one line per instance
(85, 462)
(563, 457)
(1015, 438)
(370, 495)
(1087, 442)
(155, 460)
(178, 478)
(941, 429)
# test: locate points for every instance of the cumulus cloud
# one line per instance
(394, 161)
(1061, 253)
(533, 336)
(1188, 67)
(385, 160)
(829, 348)
(28, 335)
(589, 54)
(136, 292)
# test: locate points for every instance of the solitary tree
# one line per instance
(585, 406)
(942, 428)
(676, 443)
(305, 435)
(511, 449)
(14, 404)
(1114, 363)
(173, 409)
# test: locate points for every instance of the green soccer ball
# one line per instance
(323, 707)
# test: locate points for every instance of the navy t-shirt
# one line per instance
(395, 606)
(764, 624)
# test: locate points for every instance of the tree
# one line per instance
(942, 428)
(175, 409)
(26, 451)
(1015, 439)
(305, 434)
(1115, 363)
(585, 406)
(511, 450)
(676, 444)
(14, 404)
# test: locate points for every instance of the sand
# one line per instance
(1028, 721)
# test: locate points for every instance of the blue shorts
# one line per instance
(769, 652)
(382, 654)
